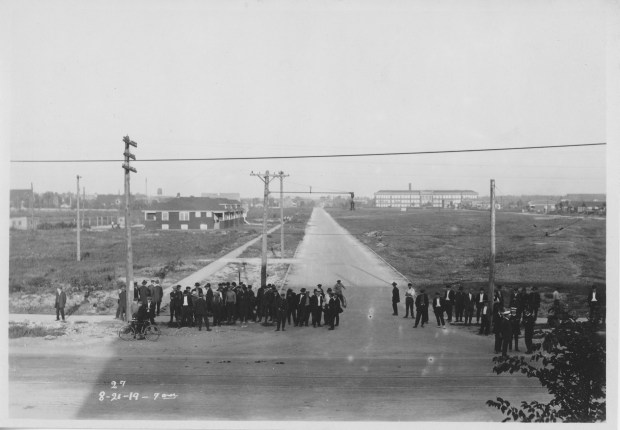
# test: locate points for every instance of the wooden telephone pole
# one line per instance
(492, 255)
(266, 178)
(79, 253)
(129, 268)
(281, 175)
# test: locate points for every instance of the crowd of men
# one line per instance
(509, 315)
(229, 303)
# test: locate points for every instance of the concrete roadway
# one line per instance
(373, 367)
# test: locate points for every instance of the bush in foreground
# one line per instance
(570, 363)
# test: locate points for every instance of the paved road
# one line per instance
(374, 366)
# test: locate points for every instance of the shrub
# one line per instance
(570, 363)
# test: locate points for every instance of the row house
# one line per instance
(194, 213)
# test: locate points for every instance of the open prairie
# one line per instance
(436, 247)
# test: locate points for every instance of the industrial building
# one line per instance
(194, 213)
(422, 198)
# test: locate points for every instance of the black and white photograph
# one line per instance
(310, 214)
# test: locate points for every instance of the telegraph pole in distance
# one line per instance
(281, 175)
(79, 254)
(492, 256)
(129, 270)
(266, 178)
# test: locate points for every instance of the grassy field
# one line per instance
(436, 247)
(39, 259)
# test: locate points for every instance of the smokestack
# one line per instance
(409, 186)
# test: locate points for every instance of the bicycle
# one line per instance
(130, 331)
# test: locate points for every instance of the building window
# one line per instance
(164, 226)
(184, 226)
(150, 216)
(197, 214)
(209, 214)
(164, 216)
(204, 227)
(183, 216)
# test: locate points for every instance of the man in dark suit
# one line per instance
(485, 321)
(186, 308)
(459, 304)
(506, 332)
(200, 312)
(448, 302)
(158, 294)
(209, 298)
(291, 298)
(281, 310)
(438, 309)
(528, 330)
(421, 307)
(61, 301)
(143, 292)
(469, 305)
(395, 298)
(315, 308)
(481, 298)
(150, 310)
(303, 306)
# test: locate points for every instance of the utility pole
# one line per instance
(492, 256)
(281, 175)
(79, 254)
(129, 270)
(32, 227)
(266, 178)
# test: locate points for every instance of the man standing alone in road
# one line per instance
(395, 298)
(409, 295)
(61, 301)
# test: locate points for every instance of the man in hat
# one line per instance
(175, 304)
(481, 298)
(459, 304)
(395, 298)
(330, 309)
(409, 295)
(60, 303)
(497, 326)
(282, 310)
(291, 313)
(315, 308)
(186, 308)
(158, 294)
(143, 291)
(303, 306)
(338, 291)
(438, 309)
(485, 324)
(448, 302)
(421, 307)
(217, 304)
(230, 300)
(506, 332)
(516, 329)
(150, 310)
(200, 312)
(469, 305)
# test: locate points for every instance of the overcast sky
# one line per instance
(199, 79)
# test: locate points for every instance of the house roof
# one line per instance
(194, 204)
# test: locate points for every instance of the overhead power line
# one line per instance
(284, 157)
